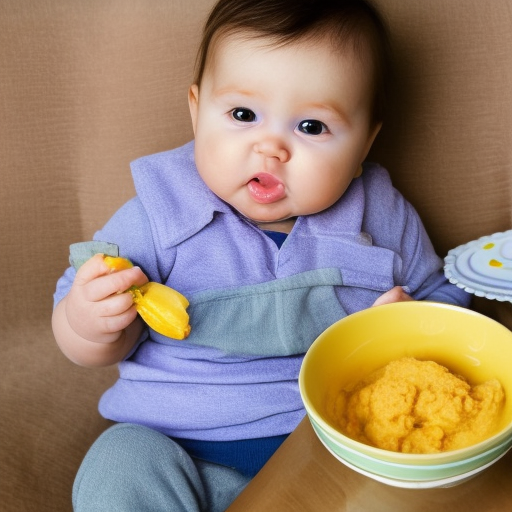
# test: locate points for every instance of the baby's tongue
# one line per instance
(266, 188)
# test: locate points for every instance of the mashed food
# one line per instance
(414, 406)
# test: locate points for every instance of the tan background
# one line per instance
(86, 86)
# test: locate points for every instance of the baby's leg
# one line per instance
(133, 468)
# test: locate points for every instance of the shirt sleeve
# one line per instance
(418, 268)
(130, 230)
(422, 269)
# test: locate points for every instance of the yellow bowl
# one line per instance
(466, 342)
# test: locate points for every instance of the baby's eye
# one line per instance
(243, 115)
(312, 127)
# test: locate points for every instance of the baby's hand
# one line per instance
(396, 294)
(96, 307)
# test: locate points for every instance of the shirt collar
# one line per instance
(343, 220)
(177, 201)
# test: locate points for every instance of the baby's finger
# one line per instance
(396, 294)
(116, 323)
(91, 269)
(115, 283)
(114, 305)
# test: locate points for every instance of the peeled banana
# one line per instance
(161, 307)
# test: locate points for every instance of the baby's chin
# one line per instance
(282, 226)
(263, 219)
(262, 222)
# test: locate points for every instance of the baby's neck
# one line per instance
(282, 226)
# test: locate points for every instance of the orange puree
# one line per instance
(416, 406)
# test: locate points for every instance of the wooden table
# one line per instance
(303, 476)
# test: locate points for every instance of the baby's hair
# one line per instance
(348, 24)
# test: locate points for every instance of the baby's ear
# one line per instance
(374, 131)
(193, 104)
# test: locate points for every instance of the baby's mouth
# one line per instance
(265, 188)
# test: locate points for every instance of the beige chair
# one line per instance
(87, 86)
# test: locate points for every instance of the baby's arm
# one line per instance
(96, 324)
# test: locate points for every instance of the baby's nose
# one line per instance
(273, 147)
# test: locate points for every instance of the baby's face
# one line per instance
(281, 131)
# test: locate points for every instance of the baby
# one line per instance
(272, 226)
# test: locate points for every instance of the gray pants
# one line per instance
(135, 469)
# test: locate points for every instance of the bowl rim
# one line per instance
(401, 458)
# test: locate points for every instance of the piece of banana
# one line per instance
(116, 263)
(161, 307)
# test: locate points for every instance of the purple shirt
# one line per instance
(254, 308)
